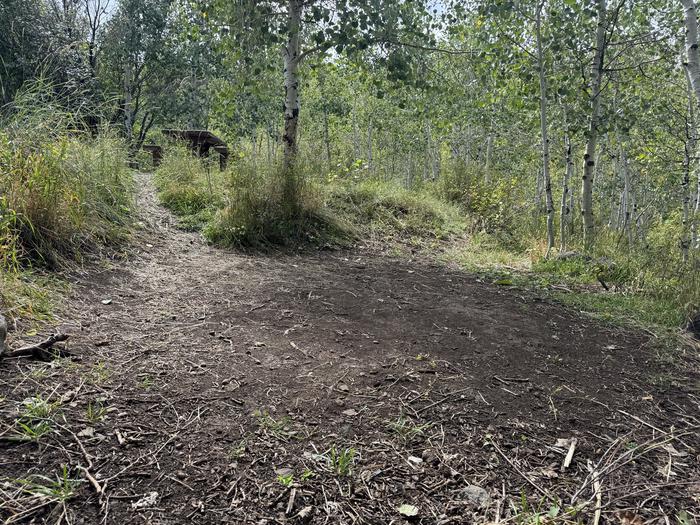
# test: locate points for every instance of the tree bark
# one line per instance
(590, 154)
(549, 202)
(291, 53)
(693, 71)
(691, 45)
(565, 210)
(129, 115)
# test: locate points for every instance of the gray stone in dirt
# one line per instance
(476, 496)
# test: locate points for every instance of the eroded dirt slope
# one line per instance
(215, 387)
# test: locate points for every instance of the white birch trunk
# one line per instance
(693, 70)
(128, 105)
(565, 210)
(590, 154)
(549, 202)
(291, 93)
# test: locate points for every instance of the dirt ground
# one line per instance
(216, 387)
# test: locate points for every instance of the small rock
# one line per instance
(476, 496)
(149, 500)
(87, 432)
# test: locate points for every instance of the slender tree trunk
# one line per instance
(693, 70)
(688, 219)
(695, 238)
(128, 105)
(489, 155)
(691, 45)
(590, 154)
(356, 135)
(565, 210)
(370, 160)
(544, 132)
(291, 98)
(327, 140)
(626, 197)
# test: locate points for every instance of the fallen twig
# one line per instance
(41, 350)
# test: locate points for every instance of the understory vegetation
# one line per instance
(457, 218)
(519, 138)
(64, 195)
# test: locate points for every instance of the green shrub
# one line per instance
(494, 205)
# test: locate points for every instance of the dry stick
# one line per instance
(639, 420)
(569, 455)
(37, 349)
(596, 493)
(296, 347)
(98, 488)
(542, 491)
(290, 503)
(447, 396)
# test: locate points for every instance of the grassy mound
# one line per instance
(250, 206)
(388, 210)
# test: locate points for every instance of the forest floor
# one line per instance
(336, 387)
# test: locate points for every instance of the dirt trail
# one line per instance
(215, 387)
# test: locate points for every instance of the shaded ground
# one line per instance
(214, 387)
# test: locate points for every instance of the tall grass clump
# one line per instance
(248, 205)
(63, 192)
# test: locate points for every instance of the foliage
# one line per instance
(388, 210)
(63, 194)
(342, 460)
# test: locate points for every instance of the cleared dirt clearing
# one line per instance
(215, 387)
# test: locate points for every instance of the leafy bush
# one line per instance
(493, 205)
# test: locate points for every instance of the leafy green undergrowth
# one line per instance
(629, 309)
(388, 210)
(574, 281)
(64, 194)
(252, 206)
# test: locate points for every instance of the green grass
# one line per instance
(250, 206)
(627, 309)
(387, 210)
(28, 295)
(64, 194)
(573, 282)
(482, 252)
